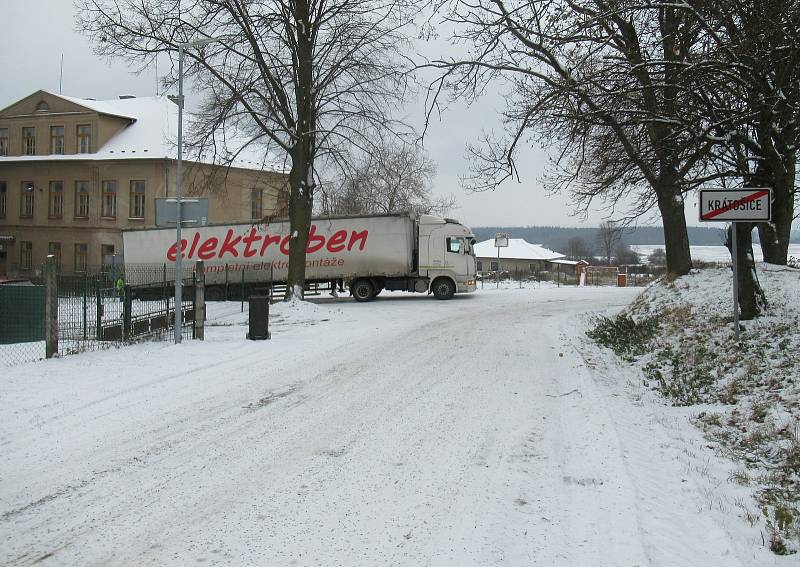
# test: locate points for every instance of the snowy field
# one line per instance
(711, 253)
(479, 431)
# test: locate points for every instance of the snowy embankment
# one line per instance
(481, 431)
(744, 396)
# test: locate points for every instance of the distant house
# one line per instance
(518, 257)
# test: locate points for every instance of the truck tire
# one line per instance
(362, 290)
(443, 288)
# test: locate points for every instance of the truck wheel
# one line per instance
(444, 288)
(362, 290)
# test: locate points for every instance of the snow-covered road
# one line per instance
(407, 431)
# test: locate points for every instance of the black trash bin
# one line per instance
(259, 318)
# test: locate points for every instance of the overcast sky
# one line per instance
(42, 30)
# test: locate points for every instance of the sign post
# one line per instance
(500, 241)
(736, 205)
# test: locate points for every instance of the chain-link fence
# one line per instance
(95, 309)
(22, 323)
(568, 275)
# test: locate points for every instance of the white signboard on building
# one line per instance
(501, 240)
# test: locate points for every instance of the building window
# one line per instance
(137, 200)
(480, 266)
(3, 199)
(81, 254)
(29, 141)
(84, 138)
(495, 266)
(54, 249)
(55, 207)
(42, 106)
(3, 141)
(106, 254)
(109, 200)
(26, 200)
(25, 255)
(532, 268)
(256, 211)
(56, 139)
(81, 199)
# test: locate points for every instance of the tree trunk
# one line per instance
(676, 238)
(301, 201)
(752, 300)
(774, 236)
(301, 176)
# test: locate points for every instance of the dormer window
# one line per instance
(84, 138)
(29, 141)
(56, 139)
(42, 107)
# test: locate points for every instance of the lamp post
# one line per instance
(178, 180)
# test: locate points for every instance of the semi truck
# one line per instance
(368, 253)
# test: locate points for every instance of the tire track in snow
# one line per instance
(397, 451)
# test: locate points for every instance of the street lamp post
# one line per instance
(178, 180)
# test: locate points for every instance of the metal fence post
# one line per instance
(51, 307)
(200, 301)
(271, 282)
(99, 313)
(85, 303)
(126, 313)
(226, 283)
(241, 291)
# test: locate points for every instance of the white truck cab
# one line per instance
(446, 256)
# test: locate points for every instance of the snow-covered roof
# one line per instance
(152, 134)
(517, 249)
(110, 107)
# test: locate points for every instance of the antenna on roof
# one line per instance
(61, 75)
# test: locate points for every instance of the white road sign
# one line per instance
(735, 204)
(194, 212)
(501, 240)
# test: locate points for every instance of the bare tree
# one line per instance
(605, 83)
(578, 249)
(395, 177)
(657, 257)
(609, 235)
(303, 78)
(624, 254)
(751, 96)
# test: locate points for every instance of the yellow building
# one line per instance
(75, 172)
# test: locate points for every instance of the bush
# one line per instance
(624, 335)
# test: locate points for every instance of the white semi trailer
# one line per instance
(424, 254)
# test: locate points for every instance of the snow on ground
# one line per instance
(744, 395)
(711, 253)
(484, 430)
